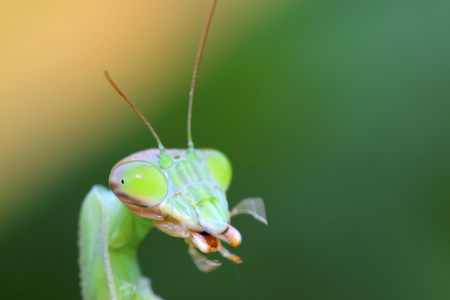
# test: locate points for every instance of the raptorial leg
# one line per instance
(251, 206)
(202, 263)
(229, 255)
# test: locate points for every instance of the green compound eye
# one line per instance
(138, 181)
(219, 166)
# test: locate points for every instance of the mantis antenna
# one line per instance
(194, 75)
(160, 145)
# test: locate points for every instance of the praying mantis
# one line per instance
(179, 191)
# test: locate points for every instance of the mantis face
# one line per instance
(185, 197)
(180, 191)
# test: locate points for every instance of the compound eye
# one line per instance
(138, 181)
(219, 166)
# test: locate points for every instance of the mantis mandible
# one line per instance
(179, 191)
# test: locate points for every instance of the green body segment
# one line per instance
(108, 240)
(194, 187)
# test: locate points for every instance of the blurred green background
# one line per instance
(335, 112)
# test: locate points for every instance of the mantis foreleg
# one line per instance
(108, 239)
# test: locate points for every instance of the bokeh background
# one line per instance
(335, 112)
